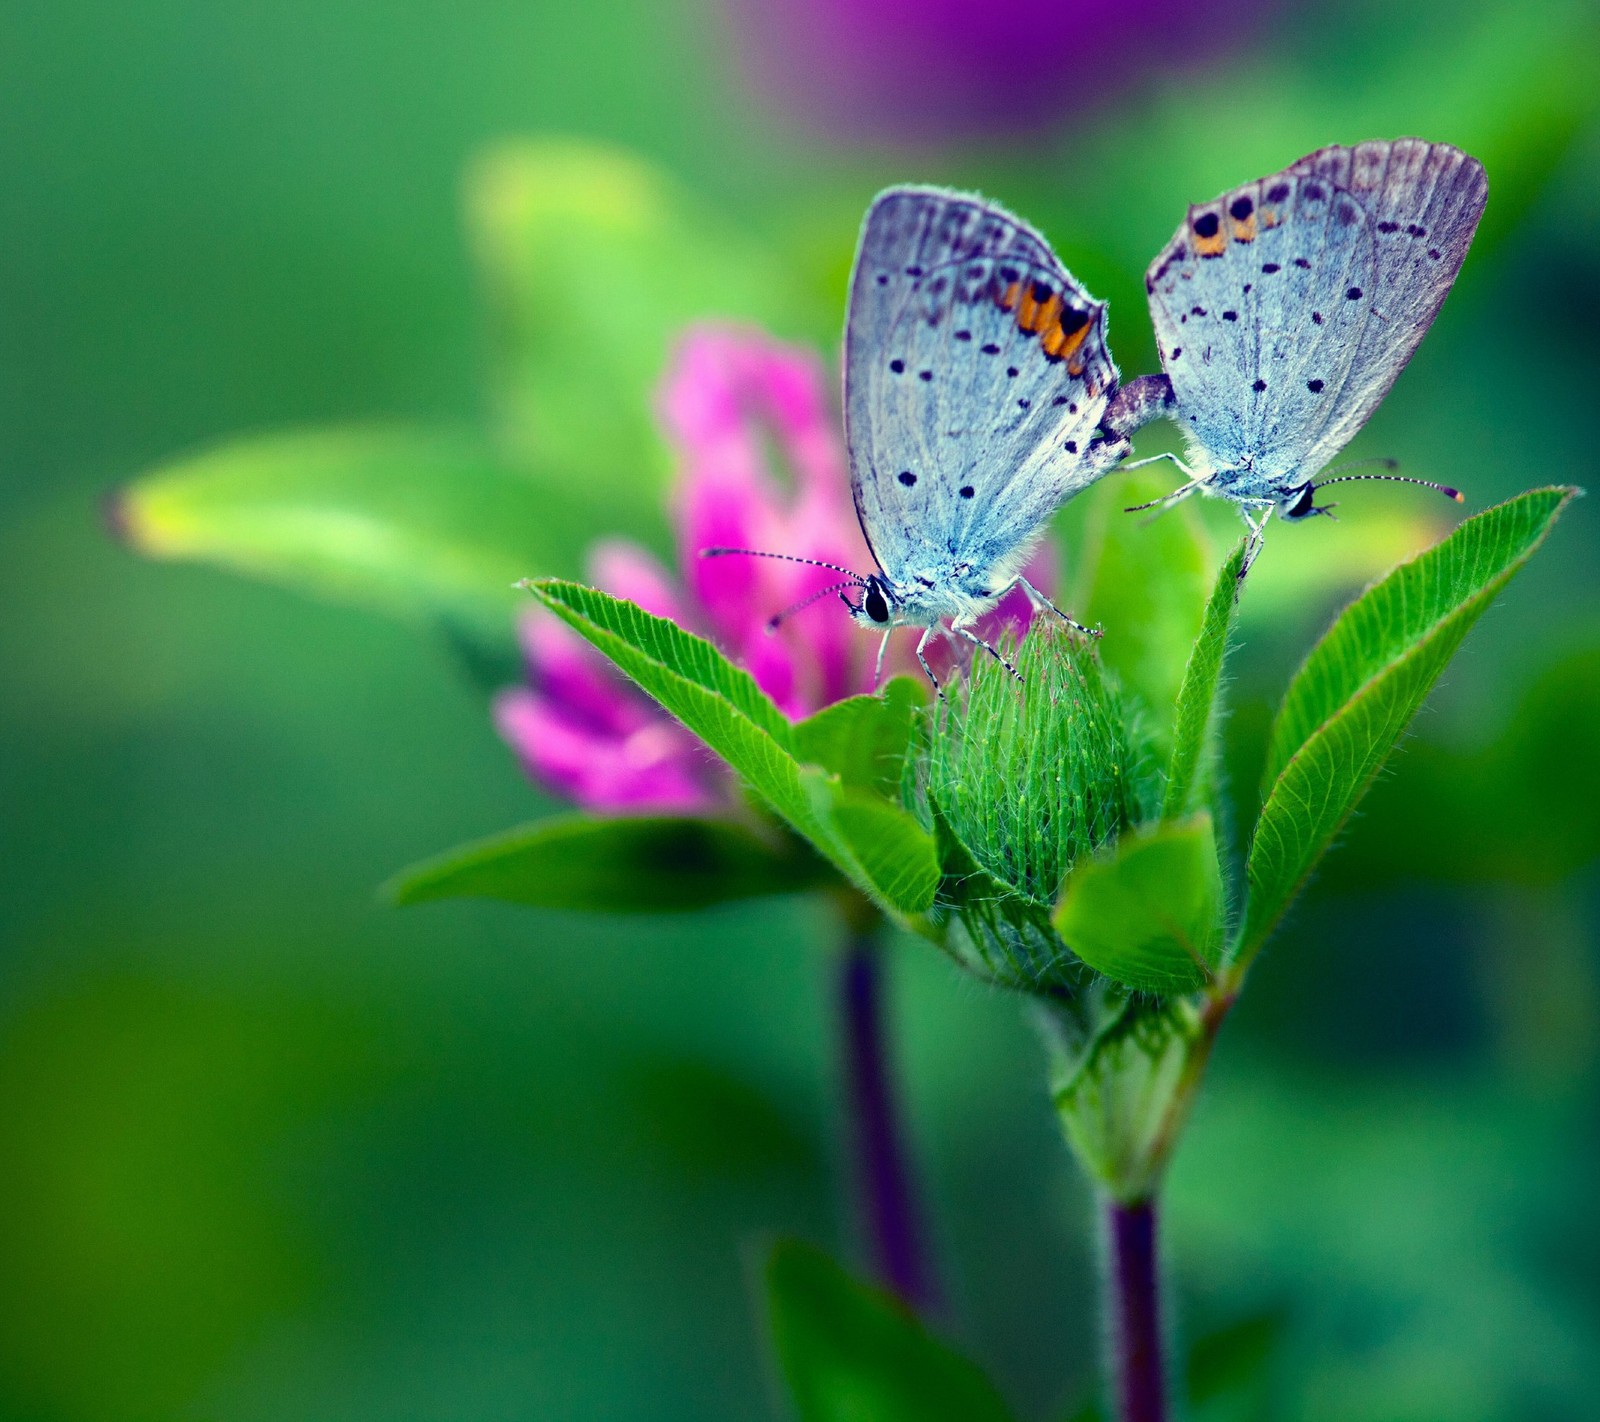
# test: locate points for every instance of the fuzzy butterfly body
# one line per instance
(1285, 309)
(976, 378)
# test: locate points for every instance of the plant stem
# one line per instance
(1133, 1310)
(886, 1198)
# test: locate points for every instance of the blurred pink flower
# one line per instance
(760, 465)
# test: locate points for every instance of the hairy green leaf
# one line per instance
(1361, 685)
(1148, 911)
(850, 1353)
(648, 864)
(418, 525)
(1195, 725)
(593, 262)
(722, 705)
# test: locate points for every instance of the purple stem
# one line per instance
(885, 1195)
(1133, 1311)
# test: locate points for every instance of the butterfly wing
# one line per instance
(1422, 202)
(976, 374)
(1285, 309)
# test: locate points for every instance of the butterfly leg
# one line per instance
(922, 656)
(1168, 455)
(993, 651)
(1166, 501)
(1040, 601)
(1258, 536)
(883, 647)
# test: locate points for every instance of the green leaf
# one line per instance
(593, 262)
(419, 525)
(1195, 724)
(863, 739)
(1148, 911)
(886, 849)
(722, 705)
(1361, 685)
(850, 1353)
(1145, 578)
(649, 864)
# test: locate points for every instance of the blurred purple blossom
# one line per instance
(760, 464)
(929, 71)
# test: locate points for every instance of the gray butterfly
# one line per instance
(1285, 309)
(976, 376)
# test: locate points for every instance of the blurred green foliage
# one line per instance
(271, 1149)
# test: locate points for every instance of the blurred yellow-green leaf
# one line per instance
(416, 524)
(1144, 579)
(592, 261)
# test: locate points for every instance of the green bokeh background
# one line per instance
(270, 1149)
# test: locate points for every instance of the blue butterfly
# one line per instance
(976, 381)
(1285, 309)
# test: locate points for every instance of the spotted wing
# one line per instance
(1285, 309)
(976, 373)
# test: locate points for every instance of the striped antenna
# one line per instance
(1444, 489)
(778, 618)
(856, 580)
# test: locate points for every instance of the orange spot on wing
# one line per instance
(1211, 246)
(1244, 231)
(1036, 316)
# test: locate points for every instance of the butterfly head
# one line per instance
(1298, 504)
(878, 604)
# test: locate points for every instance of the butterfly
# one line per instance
(976, 376)
(1284, 310)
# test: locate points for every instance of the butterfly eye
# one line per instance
(876, 604)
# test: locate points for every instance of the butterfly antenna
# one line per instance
(778, 618)
(856, 580)
(1444, 489)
